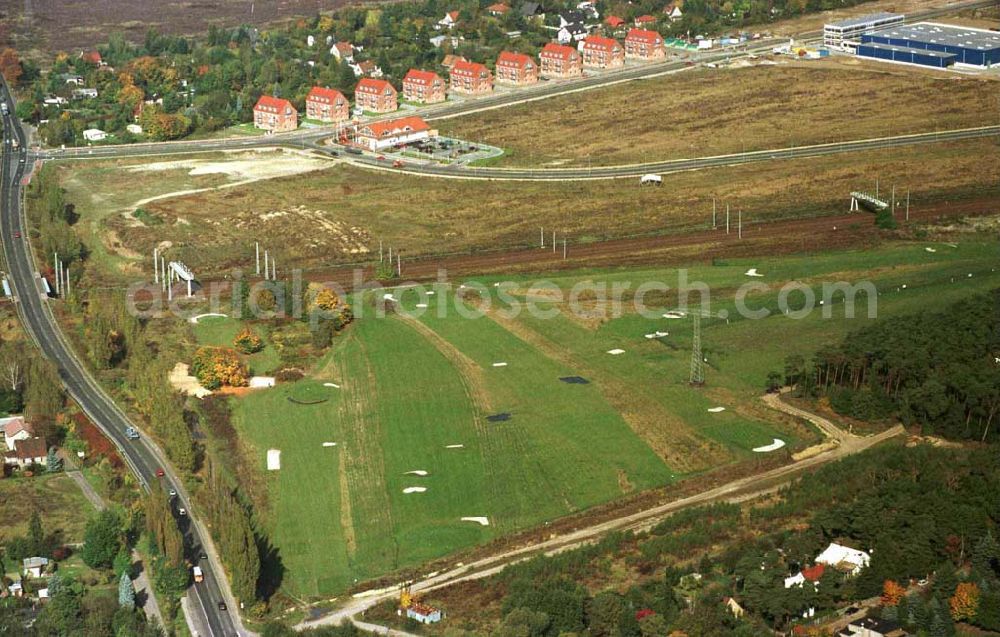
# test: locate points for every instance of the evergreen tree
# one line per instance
(36, 535)
(126, 594)
(53, 463)
(986, 558)
(102, 539)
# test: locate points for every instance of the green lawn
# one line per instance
(58, 500)
(220, 331)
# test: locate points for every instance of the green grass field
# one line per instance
(411, 386)
(220, 332)
(58, 500)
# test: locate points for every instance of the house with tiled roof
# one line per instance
(366, 68)
(14, 429)
(470, 78)
(498, 9)
(516, 69)
(614, 22)
(644, 45)
(560, 61)
(93, 57)
(385, 134)
(450, 60)
(645, 21)
(813, 574)
(275, 115)
(375, 96)
(673, 12)
(327, 105)
(423, 87)
(27, 452)
(343, 51)
(449, 20)
(602, 53)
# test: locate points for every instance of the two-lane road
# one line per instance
(142, 456)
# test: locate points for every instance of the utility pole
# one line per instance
(893, 200)
(714, 226)
(274, 269)
(399, 264)
(265, 265)
(380, 251)
(564, 248)
(739, 222)
(907, 204)
(55, 270)
(553, 240)
(541, 233)
(876, 187)
(156, 265)
(697, 362)
(257, 245)
(727, 217)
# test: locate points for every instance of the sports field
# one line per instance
(412, 386)
(729, 110)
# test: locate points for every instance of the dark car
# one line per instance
(222, 605)
(203, 556)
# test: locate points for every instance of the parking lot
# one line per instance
(446, 150)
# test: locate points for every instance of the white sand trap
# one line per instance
(716, 410)
(485, 521)
(454, 446)
(430, 292)
(674, 314)
(500, 364)
(421, 305)
(329, 444)
(416, 472)
(753, 272)
(195, 319)
(414, 489)
(774, 446)
(930, 249)
(389, 297)
(185, 383)
(657, 334)
(334, 385)
(261, 382)
(273, 459)
(616, 352)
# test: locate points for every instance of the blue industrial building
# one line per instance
(932, 44)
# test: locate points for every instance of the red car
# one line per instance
(17, 234)
(159, 473)
(397, 164)
(380, 158)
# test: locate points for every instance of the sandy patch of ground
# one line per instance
(184, 382)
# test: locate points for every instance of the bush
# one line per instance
(248, 342)
(218, 366)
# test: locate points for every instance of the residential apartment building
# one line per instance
(375, 96)
(560, 61)
(424, 87)
(327, 105)
(644, 45)
(516, 69)
(275, 115)
(471, 78)
(602, 53)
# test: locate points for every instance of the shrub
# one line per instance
(218, 366)
(247, 341)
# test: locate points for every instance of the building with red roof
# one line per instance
(560, 61)
(385, 134)
(471, 78)
(614, 21)
(15, 428)
(375, 96)
(275, 115)
(644, 45)
(327, 105)
(27, 452)
(498, 9)
(94, 57)
(423, 87)
(516, 69)
(602, 53)
(645, 21)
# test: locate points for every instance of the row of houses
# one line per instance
(420, 86)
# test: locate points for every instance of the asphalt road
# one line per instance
(142, 456)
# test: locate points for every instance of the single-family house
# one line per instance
(94, 135)
(451, 59)
(34, 566)
(14, 429)
(602, 53)
(589, 9)
(673, 12)
(449, 20)
(844, 558)
(733, 607)
(343, 51)
(54, 100)
(84, 93)
(470, 78)
(498, 10)
(327, 105)
(93, 57)
(423, 614)
(135, 129)
(275, 114)
(872, 627)
(644, 45)
(423, 87)
(375, 96)
(645, 21)
(385, 134)
(532, 10)
(813, 575)
(16, 589)
(571, 33)
(516, 69)
(27, 452)
(71, 78)
(570, 17)
(366, 68)
(614, 22)
(560, 61)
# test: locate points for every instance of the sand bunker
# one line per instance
(716, 410)
(329, 444)
(334, 385)
(774, 446)
(454, 446)
(262, 382)
(753, 272)
(501, 364)
(674, 314)
(930, 249)
(195, 319)
(421, 305)
(616, 352)
(416, 472)
(273, 459)
(657, 334)
(483, 520)
(185, 383)
(414, 489)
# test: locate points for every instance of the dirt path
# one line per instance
(737, 490)
(143, 588)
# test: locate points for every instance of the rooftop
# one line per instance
(862, 20)
(907, 49)
(947, 34)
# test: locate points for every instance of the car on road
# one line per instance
(172, 493)
(203, 556)
(17, 234)
(160, 473)
(222, 606)
(398, 163)
(198, 575)
(380, 158)
(181, 511)
(131, 433)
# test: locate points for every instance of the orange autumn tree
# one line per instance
(218, 366)
(965, 603)
(247, 341)
(892, 593)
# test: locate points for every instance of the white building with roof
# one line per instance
(845, 35)
(844, 558)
